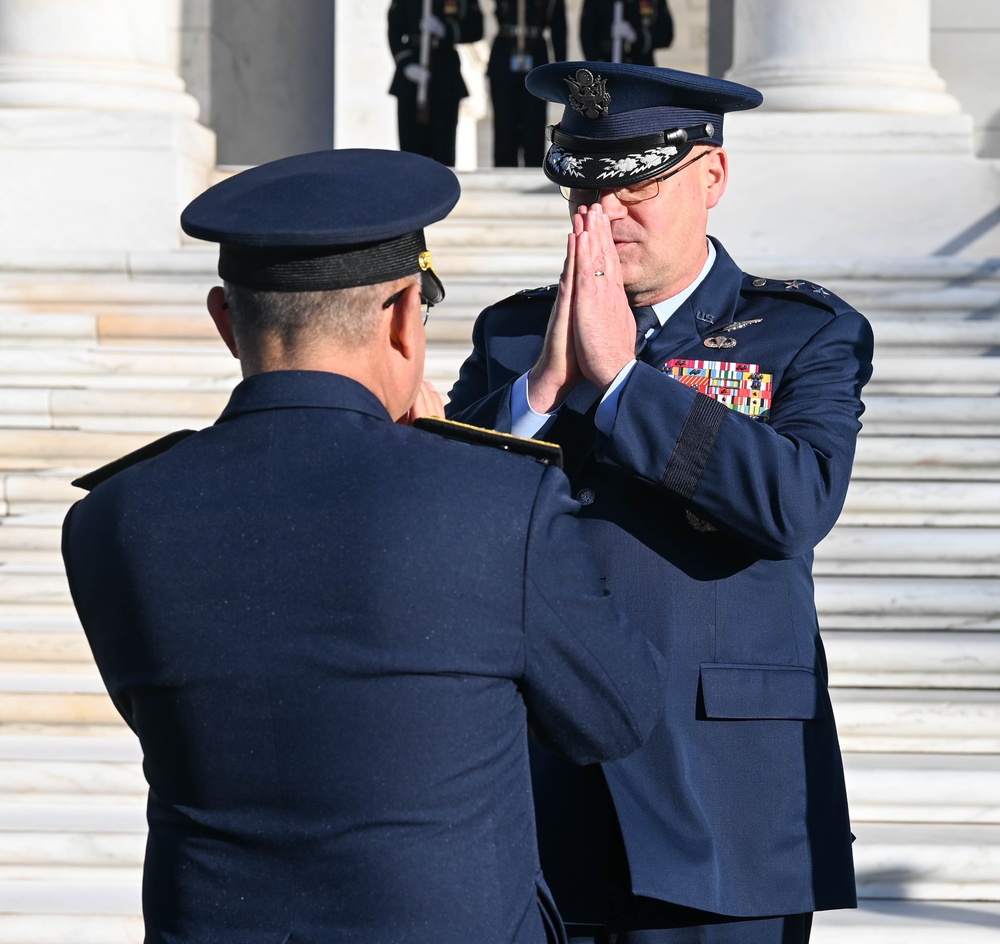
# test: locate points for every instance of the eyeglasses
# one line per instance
(392, 299)
(627, 195)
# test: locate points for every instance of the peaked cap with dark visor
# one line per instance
(326, 220)
(625, 123)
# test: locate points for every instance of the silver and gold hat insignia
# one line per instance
(588, 94)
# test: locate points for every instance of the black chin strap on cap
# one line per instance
(676, 137)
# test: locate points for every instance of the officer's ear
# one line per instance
(406, 323)
(218, 308)
(716, 176)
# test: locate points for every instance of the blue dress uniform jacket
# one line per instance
(704, 523)
(327, 631)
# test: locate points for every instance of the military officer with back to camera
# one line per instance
(643, 26)
(333, 719)
(521, 45)
(428, 83)
(709, 420)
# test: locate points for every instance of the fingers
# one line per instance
(603, 325)
(556, 371)
(427, 403)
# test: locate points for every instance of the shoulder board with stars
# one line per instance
(801, 288)
(545, 452)
(91, 480)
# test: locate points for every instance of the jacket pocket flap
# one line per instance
(785, 692)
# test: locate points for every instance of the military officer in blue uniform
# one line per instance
(645, 25)
(521, 45)
(709, 420)
(326, 640)
(428, 88)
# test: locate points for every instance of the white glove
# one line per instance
(624, 31)
(431, 24)
(415, 72)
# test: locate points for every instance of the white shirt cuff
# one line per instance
(607, 409)
(524, 421)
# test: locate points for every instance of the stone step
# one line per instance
(923, 788)
(54, 921)
(46, 491)
(160, 368)
(908, 603)
(41, 408)
(938, 416)
(909, 922)
(928, 458)
(906, 551)
(31, 539)
(900, 659)
(917, 503)
(916, 721)
(928, 861)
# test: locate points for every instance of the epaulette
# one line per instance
(809, 292)
(535, 292)
(545, 452)
(91, 480)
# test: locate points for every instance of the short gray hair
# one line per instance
(349, 316)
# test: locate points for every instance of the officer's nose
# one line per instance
(612, 206)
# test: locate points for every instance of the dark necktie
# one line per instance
(645, 318)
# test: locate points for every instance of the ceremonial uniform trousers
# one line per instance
(333, 714)
(518, 116)
(431, 134)
(704, 523)
(651, 20)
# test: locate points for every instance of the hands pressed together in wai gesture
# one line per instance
(591, 331)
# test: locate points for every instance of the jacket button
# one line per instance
(586, 496)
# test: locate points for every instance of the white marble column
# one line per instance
(99, 142)
(851, 55)
(858, 150)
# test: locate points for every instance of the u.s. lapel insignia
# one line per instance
(719, 343)
(588, 94)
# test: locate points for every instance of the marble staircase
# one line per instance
(100, 354)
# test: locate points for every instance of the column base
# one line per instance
(823, 185)
(75, 180)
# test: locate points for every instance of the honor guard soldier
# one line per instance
(625, 30)
(708, 420)
(428, 82)
(333, 719)
(519, 46)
